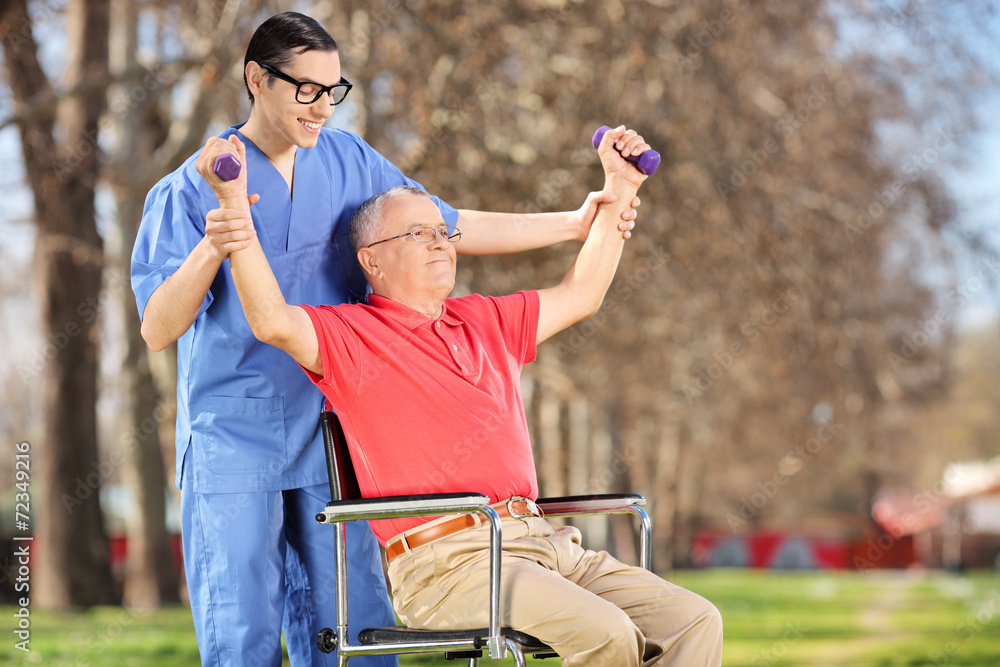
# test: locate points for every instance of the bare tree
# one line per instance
(58, 141)
(127, 105)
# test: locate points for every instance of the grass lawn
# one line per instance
(804, 618)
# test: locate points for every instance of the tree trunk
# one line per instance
(551, 460)
(72, 547)
(151, 579)
(598, 527)
(677, 517)
(664, 492)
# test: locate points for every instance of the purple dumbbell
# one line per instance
(227, 167)
(645, 163)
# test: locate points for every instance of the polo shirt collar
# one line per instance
(408, 317)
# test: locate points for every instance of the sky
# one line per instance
(976, 189)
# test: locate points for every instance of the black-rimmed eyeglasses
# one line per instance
(426, 235)
(307, 92)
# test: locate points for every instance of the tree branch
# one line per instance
(48, 100)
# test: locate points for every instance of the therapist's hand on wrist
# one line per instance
(229, 230)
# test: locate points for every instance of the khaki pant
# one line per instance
(590, 608)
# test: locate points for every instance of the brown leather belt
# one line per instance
(512, 508)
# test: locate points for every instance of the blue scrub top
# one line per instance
(247, 415)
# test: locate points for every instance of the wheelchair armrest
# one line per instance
(606, 503)
(388, 507)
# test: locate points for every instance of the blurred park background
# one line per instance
(798, 363)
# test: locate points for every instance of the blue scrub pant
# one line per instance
(258, 564)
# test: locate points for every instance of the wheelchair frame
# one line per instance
(347, 505)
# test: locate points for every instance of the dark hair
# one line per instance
(280, 37)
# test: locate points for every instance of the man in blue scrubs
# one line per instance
(249, 450)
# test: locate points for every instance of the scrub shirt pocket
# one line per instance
(245, 435)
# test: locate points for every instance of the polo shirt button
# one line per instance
(455, 347)
(438, 325)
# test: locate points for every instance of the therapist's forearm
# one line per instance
(174, 305)
(487, 233)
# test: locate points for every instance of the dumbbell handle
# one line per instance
(645, 163)
(227, 167)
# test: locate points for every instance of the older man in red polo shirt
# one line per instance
(427, 388)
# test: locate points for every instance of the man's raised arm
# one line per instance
(271, 319)
(582, 289)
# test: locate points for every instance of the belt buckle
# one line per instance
(532, 508)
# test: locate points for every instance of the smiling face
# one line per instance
(277, 120)
(417, 275)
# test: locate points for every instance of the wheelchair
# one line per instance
(346, 504)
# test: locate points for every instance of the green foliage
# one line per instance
(802, 618)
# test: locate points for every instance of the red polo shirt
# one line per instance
(431, 406)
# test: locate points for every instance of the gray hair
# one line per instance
(368, 220)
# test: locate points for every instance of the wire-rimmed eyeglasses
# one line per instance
(426, 235)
